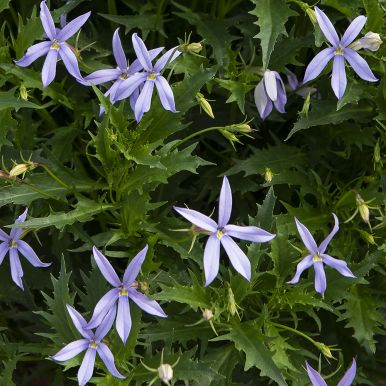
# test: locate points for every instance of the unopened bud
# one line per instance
(194, 47)
(205, 105)
(243, 128)
(268, 175)
(371, 41)
(232, 306)
(230, 137)
(165, 372)
(362, 208)
(22, 168)
(312, 15)
(325, 350)
(377, 153)
(207, 314)
(23, 92)
(367, 237)
(144, 285)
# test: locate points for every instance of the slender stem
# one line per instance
(194, 135)
(57, 179)
(284, 327)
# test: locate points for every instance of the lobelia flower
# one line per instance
(317, 380)
(92, 343)
(221, 233)
(123, 291)
(339, 52)
(122, 72)
(270, 92)
(147, 79)
(11, 243)
(56, 47)
(294, 85)
(317, 257)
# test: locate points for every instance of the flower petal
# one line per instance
(353, 30)
(225, 203)
(108, 359)
(317, 64)
(249, 233)
(4, 236)
(144, 100)
(119, 54)
(300, 268)
(145, 303)
(30, 254)
(105, 303)
(270, 85)
(70, 61)
(71, 350)
(168, 56)
(323, 245)
(72, 27)
(127, 87)
(281, 94)
(262, 102)
(113, 90)
(33, 53)
(103, 76)
(123, 321)
(106, 324)
(47, 22)
(327, 27)
(359, 65)
(293, 82)
(349, 375)
(106, 268)
(165, 94)
(320, 277)
(339, 265)
(137, 66)
(307, 238)
(133, 268)
(49, 67)
(197, 218)
(237, 257)
(79, 322)
(338, 79)
(315, 378)
(16, 269)
(141, 52)
(87, 367)
(211, 258)
(16, 232)
(4, 248)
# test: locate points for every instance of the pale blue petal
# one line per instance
(33, 53)
(306, 237)
(119, 54)
(72, 27)
(237, 257)
(339, 265)
(320, 277)
(327, 27)
(315, 378)
(141, 52)
(318, 63)
(106, 324)
(16, 232)
(293, 82)
(106, 268)
(167, 57)
(359, 65)
(134, 267)
(300, 268)
(103, 306)
(108, 359)
(353, 30)
(263, 103)
(338, 79)
(137, 66)
(211, 258)
(144, 100)
(71, 350)
(270, 85)
(4, 236)
(49, 67)
(225, 203)
(47, 22)
(112, 91)
(323, 245)
(165, 93)
(16, 269)
(349, 375)
(197, 218)
(87, 367)
(103, 76)
(249, 233)
(123, 321)
(70, 61)
(281, 94)
(128, 86)
(79, 322)
(4, 248)
(145, 303)
(30, 254)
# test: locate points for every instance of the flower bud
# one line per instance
(312, 15)
(204, 104)
(367, 237)
(243, 128)
(165, 372)
(268, 175)
(207, 314)
(325, 350)
(22, 168)
(371, 41)
(144, 285)
(377, 153)
(23, 92)
(194, 47)
(362, 208)
(232, 306)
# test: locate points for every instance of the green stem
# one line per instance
(57, 179)
(284, 327)
(194, 135)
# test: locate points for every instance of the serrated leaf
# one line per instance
(272, 16)
(8, 100)
(265, 211)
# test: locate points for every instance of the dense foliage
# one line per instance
(111, 179)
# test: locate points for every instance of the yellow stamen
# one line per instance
(12, 244)
(123, 292)
(93, 344)
(151, 76)
(124, 75)
(55, 45)
(219, 234)
(339, 51)
(316, 258)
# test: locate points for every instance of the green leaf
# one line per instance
(4, 4)
(272, 16)
(264, 216)
(375, 14)
(248, 338)
(8, 99)
(238, 91)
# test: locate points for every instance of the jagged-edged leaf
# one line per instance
(265, 211)
(237, 89)
(9, 100)
(271, 19)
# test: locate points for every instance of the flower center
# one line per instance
(55, 45)
(316, 258)
(151, 76)
(93, 344)
(12, 244)
(339, 51)
(123, 291)
(124, 75)
(219, 233)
